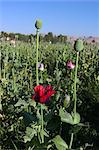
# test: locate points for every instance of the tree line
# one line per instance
(49, 37)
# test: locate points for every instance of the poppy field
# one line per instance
(49, 95)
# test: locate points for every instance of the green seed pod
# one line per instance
(38, 24)
(78, 45)
(66, 101)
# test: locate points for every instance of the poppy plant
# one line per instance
(42, 94)
(70, 65)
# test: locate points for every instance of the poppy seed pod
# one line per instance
(78, 45)
(38, 24)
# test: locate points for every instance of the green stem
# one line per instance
(41, 76)
(75, 97)
(31, 80)
(37, 43)
(0, 79)
(4, 71)
(0, 64)
(26, 71)
(71, 141)
(37, 82)
(14, 80)
(57, 73)
(42, 124)
(75, 81)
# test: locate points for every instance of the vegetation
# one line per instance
(68, 116)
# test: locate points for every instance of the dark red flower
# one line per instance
(42, 94)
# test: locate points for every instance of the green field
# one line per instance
(21, 116)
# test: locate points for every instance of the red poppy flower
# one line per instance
(42, 94)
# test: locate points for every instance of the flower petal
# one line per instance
(43, 99)
(42, 94)
(39, 89)
(70, 65)
(49, 87)
(50, 93)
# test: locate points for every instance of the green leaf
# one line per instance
(0, 106)
(14, 145)
(69, 118)
(29, 118)
(76, 118)
(30, 132)
(60, 143)
(27, 139)
(44, 133)
(20, 103)
(65, 116)
(32, 103)
(11, 128)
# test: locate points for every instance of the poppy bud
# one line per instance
(38, 24)
(66, 101)
(78, 45)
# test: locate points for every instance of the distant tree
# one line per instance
(12, 35)
(55, 39)
(62, 38)
(16, 37)
(49, 37)
(59, 38)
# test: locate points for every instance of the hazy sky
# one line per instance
(77, 18)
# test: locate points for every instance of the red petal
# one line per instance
(43, 93)
(50, 93)
(49, 87)
(39, 89)
(44, 98)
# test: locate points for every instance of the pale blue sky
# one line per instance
(77, 18)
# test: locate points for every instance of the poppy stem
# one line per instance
(37, 43)
(37, 82)
(41, 76)
(75, 82)
(71, 141)
(0, 79)
(42, 135)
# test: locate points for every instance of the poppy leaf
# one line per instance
(60, 143)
